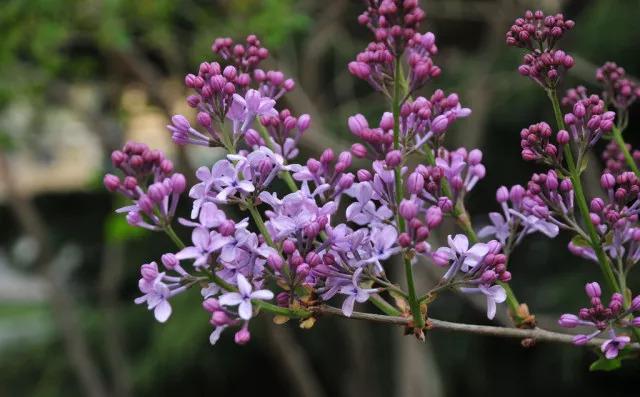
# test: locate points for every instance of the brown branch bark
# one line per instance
(537, 334)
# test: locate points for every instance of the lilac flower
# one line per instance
(354, 293)
(202, 192)
(243, 297)
(364, 211)
(205, 243)
(500, 228)
(494, 294)
(183, 133)
(611, 347)
(383, 244)
(230, 183)
(157, 292)
(244, 110)
(295, 212)
(464, 257)
(210, 217)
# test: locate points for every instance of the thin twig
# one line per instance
(537, 334)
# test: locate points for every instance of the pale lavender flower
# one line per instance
(205, 243)
(243, 111)
(494, 294)
(157, 292)
(500, 228)
(612, 347)
(464, 258)
(354, 293)
(383, 244)
(364, 211)
(243, 297)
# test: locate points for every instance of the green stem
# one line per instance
(582, 201)
(418, 319)
(286, 176)
(257, 218)
(384, 306)
(462, 218)
(617, 136)
(174, 237)
(603, 262)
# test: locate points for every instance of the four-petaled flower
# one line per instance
(611, 347)
(354, 293)
(494, 294)
(243, 297)
(205, 243)
(459, 251)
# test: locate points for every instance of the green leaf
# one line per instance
(117, 229)
(580, 241)
(585, 163)
(603, 364)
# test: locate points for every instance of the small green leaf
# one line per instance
(580, 241)
(603, 364)
(117, 229)
(585, 163)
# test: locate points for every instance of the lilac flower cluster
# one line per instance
(619, 91)
(395, 25)
(614, 160)
(149, 183)
(608, 232)
(589, 120)
(538, 34)
(334, 235)
(536, 144)
(603, 319)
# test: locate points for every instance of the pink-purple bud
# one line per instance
(393, 158)
(569, 321)
(593, 290)
(408, 209)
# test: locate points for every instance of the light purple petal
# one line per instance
(245, 310)
(162, 311)
(263, 294)
(230, 299)
(244, 287)
(347, 305)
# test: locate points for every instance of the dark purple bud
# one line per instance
(364, 175)
(359, 150)
(607, 181)
(386, 122)
(445, 204)
(327, 156)
(288, 247)
(597, 204)
(393, 158)
(346, 181)
(204, 119)
(404, 240)
(111, 182)
(563, 137)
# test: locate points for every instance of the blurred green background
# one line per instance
(78, 78)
